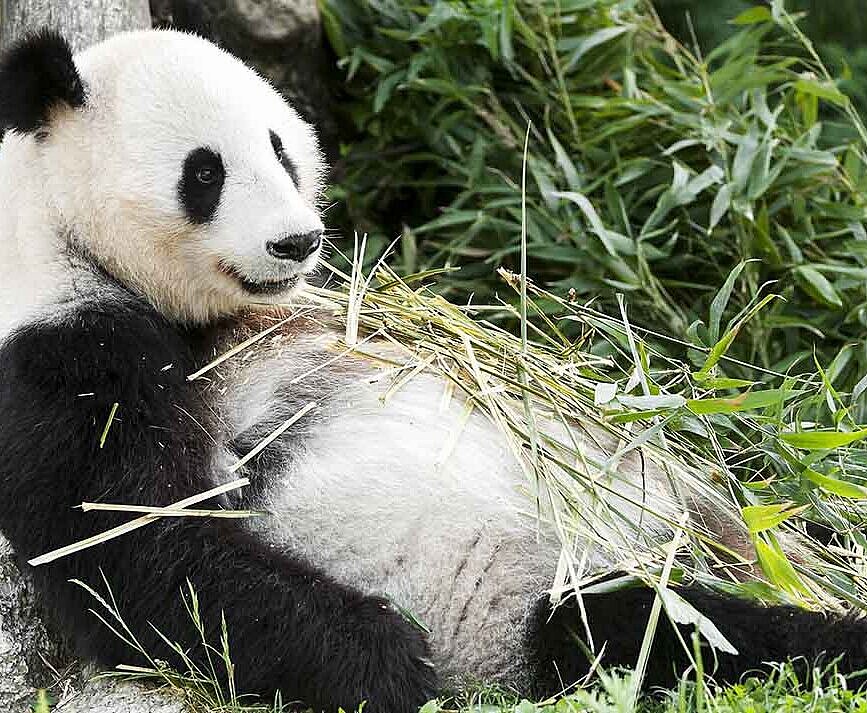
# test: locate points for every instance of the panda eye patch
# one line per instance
(284, 160)
(201, 184)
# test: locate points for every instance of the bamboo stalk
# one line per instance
(276, 433)
(168, 512)
(133, 524)
(241, 347)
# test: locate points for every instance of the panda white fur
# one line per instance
(154, 188)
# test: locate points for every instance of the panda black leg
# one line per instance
(291, 627)
(761, 634)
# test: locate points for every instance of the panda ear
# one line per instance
(37, 74)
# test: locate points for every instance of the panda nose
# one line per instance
(295, 247)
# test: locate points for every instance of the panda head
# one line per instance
(167, 162)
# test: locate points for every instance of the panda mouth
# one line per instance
(259, 287)
(268, 287)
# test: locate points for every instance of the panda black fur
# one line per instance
(153, 189)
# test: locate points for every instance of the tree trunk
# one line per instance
(82, 22)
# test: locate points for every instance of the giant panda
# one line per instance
(157, 196)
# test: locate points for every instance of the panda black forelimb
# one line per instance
(291, 626)
(761, 635)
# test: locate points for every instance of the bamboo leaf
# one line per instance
(836, 486)
(753, 16)
(722, 201)
(766, 517)
(817, 286)
(822, 90)
(743, 402)
(721, 300)
(604, 392)
(682, 612)
(652, 403)
(721, 347)
(580, 46)
(777, 567)
(822, 440)
(726, 383)
(608, 237)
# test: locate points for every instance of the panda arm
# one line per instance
(291, 627)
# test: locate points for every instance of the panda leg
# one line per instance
(761, 634)
(291, 627)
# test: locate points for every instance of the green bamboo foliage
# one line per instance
(696, 185)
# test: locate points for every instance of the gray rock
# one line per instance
(276, 20)
(108, 696)
(27, 652)
(31, 658)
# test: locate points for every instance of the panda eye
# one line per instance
(206, 175)
(284, 160)
(277, 145)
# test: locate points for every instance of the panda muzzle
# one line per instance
(296, 248)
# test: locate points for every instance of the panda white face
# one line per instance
(185, 175)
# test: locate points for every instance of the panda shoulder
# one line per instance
(111, 346)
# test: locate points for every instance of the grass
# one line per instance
(205, 680)
(780, 691)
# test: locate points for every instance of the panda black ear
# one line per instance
(37, 74)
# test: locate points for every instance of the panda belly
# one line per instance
(398, 491)
(403, 498)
